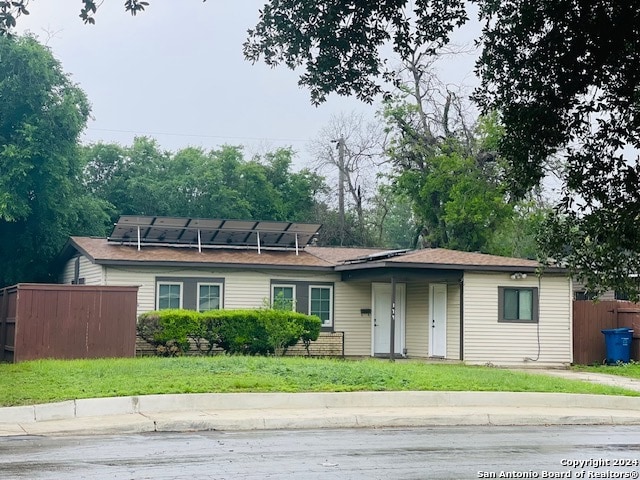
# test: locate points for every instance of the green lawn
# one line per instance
(631, 370)
(55, 380)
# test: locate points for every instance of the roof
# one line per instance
(100, 251)
(337, 255)
(443, 259)
(453, 257)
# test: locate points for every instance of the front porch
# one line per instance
(413, 313)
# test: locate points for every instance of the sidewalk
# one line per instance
(256, 411)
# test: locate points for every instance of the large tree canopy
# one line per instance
(41, 200)
(564, 76)
(144, 180)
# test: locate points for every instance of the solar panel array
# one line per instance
(212, 232)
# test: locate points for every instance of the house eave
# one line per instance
(251, 266)
(445, 266)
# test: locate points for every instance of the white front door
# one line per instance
(438, 320)
(382, 318)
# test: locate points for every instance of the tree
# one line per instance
(392, 219)
(10, 10)
(444, 163)
(41, 197)
(352, 149)
(520, 234)
(143, 180)
(563, 75)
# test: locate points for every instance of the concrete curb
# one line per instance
(252, 411)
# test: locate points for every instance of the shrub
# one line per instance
(310, 330)
(210, 330)
(169, 330)
(244, 332)
(283, 329)
(236, 331)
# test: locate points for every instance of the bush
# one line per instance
(169, 330)
(283, 329)
(244, 332)
(236, 331)
(310, 330)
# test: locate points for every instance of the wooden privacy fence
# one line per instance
(67, 321)
(589, 319)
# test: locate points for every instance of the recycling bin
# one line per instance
(618, 344)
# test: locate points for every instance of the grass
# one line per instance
(57, 380)
(631, 370)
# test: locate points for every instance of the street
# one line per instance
(417, 453)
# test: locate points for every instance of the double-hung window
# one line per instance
(518, 304)
(209, 296)
(321, 303)
(283, 297)
(169, 295)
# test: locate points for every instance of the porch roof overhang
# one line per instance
(400, 273)
(443, 272)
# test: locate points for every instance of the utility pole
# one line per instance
(341, 187)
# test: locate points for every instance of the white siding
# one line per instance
(453, 322)
(350, 298)
(250, 289)
(91, 272)
(417, 319)
(487, 341)
(242, 289)
(67, 272)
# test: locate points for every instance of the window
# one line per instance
(190, 293)
(320, 304)
(283, 297)
(169, 295)
(517, 304)
(618, 295)
(583, 295)
(209, 296)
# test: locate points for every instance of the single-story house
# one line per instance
(428, 303)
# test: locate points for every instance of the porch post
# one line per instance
(392, 334)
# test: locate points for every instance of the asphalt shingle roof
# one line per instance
(102, 251)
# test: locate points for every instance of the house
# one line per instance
(430, 303)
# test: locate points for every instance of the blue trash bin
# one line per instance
(618, 343)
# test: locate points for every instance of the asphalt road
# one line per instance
(417, 453)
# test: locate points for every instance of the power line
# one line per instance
(138, 132)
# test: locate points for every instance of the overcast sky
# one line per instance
(177, 74)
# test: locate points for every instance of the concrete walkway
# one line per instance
(252, 411)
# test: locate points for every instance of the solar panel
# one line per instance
(212, 232)
(377, 256)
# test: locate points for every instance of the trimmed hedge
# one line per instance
(245, 332)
